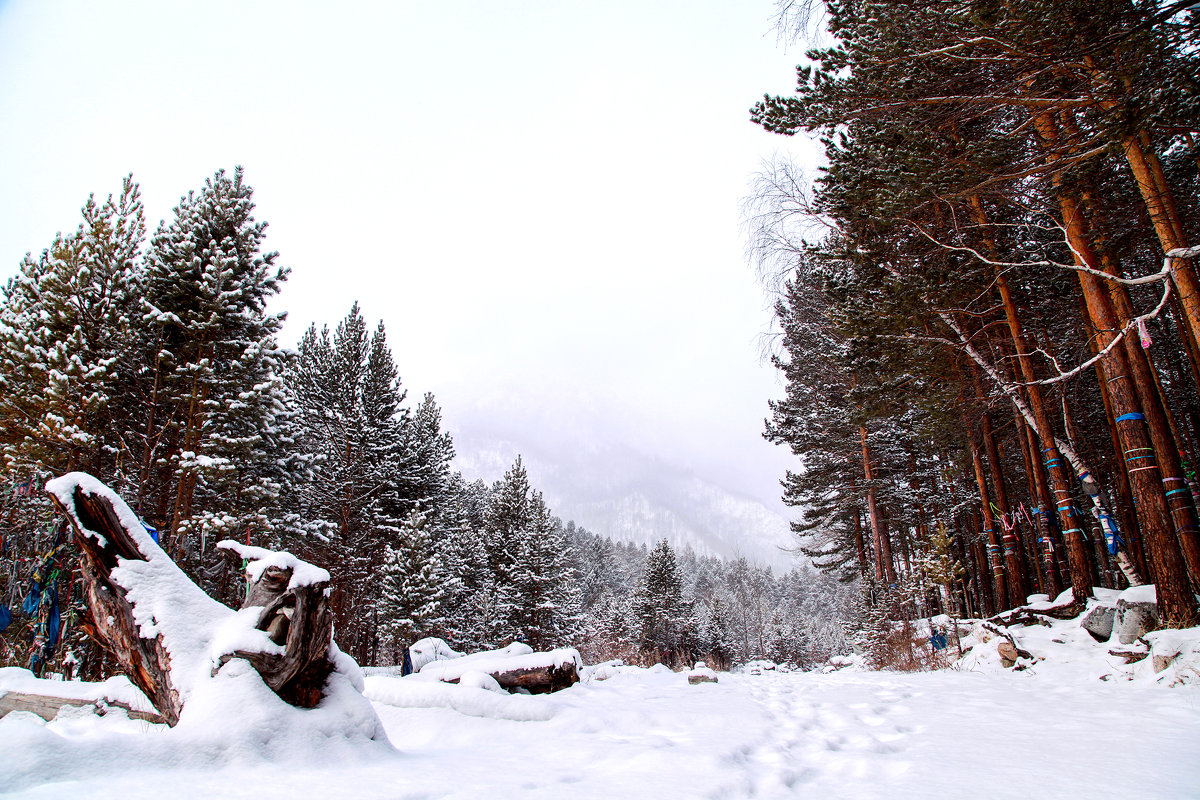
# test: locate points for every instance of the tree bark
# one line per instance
(110, 622)
(989, 530)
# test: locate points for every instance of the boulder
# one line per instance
(1136, 614)
(1099, 622)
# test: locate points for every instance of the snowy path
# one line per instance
(814, 743)
(649, 734)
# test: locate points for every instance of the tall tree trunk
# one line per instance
(1125, 507)
(884, 569)
(1178, 494)
(1049, 541)
(1177, 605)
(1152, 184)
(1014, 554)
(989, 530)
(1055, 467)
(860, 545)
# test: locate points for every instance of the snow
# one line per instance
(1042, 602)
(1072, 721)
(303, 573)
(430, 649)
(1140, 594)
(974, 731)
(463, 698)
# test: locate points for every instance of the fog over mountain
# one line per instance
(611, 486)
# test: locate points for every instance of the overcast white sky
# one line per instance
(540, 199)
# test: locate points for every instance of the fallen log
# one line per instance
(538, 680)
(167, 634)
(1028, 615)
(516, 668)
(48, 706)
(1021, 616)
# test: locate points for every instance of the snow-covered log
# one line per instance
(516, 667)
(167, 634)
(47, 706)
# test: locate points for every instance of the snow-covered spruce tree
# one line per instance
(751, 593)
(426, 453)
(464, 556)
(546, 585)
(714, 632)
(595, 563)
(609, 629)
(413, 586)
(506, 527)
(532, 593)
(349, 400)
(209, 374)
(663, 613)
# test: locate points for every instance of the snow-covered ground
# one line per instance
(1077, 723)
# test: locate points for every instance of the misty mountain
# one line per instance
(615, 491)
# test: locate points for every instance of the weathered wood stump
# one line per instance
(295, 613)
(160, 626)
(103, 543)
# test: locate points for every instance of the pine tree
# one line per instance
(413, 587)
(507, 530)
(210, 371)
(545, 583)
(65, 326)
(424, 474)
(661, 608)
(350, 419)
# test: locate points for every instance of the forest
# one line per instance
(988, 310)
(988, 328)
(155, 366)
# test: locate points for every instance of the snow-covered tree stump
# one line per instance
(293, 596)
(105, 540)
(167, 634)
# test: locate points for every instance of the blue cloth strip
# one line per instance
(1127, 417)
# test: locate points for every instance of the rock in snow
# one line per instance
(1098, 621)
(1136, 613)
